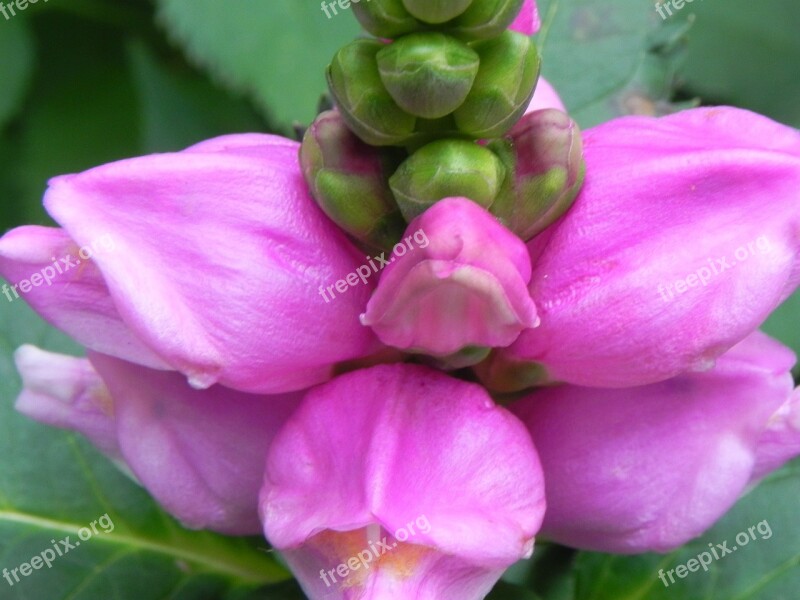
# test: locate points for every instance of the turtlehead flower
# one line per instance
(66, 392)
(208, 243)
(649, 468)
(668, 257)
(401, 482)
(223, 383)
(199, 453)
(466, 288)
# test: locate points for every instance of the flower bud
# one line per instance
(548, 166)
(486, 19)
(465, 289)
(428, 74)
(366, 106)
(502, 374)
(385, 18)
(446, 169)
(436, 12)
(503, 88)
(349, 181)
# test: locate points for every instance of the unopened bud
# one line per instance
(436, 12)
(467, 357)
(486, 19)
(428, 74)
(365, 104)
(503, 88)
(504, 374)
(385, 18)
(548, 171)
(349, 181)
(446, 169)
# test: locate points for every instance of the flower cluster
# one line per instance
(243, 404)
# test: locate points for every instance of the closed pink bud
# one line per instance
(464, 286)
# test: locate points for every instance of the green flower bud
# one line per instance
(349, 181)
(385, 18)
(468, 357)
(366, 106)
(437, 11)
(503, 88)
(544, 151)
(428, 74)
(505, 375)
(486, 19)
(446, 169)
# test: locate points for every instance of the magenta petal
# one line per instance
(71, 293)
(780, 441)
(528, 21)
(218, 258)
(545, 97)
(649, 468)
(66, 392)
(411, 447)
(667, 200)
(201, 454)
(465, 287)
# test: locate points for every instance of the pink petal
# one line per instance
(528, 21)
(664, 201)
(649, 468)
(72, 294)
(412, 444)
(201, 454)
(66, 392)
(780, 441)
(544, 97)
(219, 255)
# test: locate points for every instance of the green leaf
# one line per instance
(180, 109)
(746, 53)
(16, 65)
(766, 567)
(82, 111)
(608, 58)
(53, 483)
(275, 52)
(548, 574)
(508, 591)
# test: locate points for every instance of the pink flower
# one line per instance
(199, 453)
(545, 96)
(528, 21)
(649, 468)
(216, 256)
(668, 257)
(467, 287)
(421, 472)
(665, 265)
